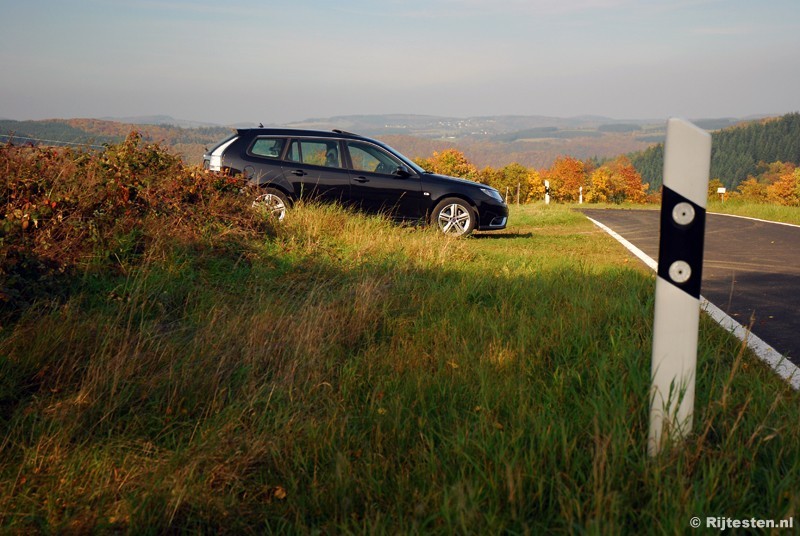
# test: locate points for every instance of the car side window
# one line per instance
(368, 158)
(315, 152)
(268, 147)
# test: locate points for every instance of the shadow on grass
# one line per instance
(502, 236)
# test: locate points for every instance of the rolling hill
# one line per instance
(533, 141)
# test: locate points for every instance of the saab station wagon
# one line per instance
(353, 170)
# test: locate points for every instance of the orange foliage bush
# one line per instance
(785, 190)
(65, 209)
(450, 162)
(567, 175)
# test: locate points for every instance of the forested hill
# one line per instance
(188, 142)
(98, 131)
(736, 152)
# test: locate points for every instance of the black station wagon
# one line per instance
(355, 171)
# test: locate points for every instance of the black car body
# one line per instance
(356, 171)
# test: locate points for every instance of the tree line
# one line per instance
(615, 181)
(756, 162)
(738, 153)
(569, 178)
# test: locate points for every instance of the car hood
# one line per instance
(435, 177)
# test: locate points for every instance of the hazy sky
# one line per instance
(228, 61)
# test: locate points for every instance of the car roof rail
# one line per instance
(339, 131)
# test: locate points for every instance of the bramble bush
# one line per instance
(66, 211)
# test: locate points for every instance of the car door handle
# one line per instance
(361, 179)
(298, 172)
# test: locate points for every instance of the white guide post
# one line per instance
(687, 158)
(546, 192)
(580, 195)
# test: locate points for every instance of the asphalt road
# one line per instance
(751, 269)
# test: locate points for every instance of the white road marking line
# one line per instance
(754, 219)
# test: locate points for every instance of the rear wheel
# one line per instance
(273, 202)
(454, 217)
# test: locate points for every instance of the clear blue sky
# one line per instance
(279, 61)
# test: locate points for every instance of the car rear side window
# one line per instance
(315, 152)
(268, 147)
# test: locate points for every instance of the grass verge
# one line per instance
(779, 213)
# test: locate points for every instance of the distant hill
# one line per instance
(188, 142)
(165, 120)
(479, 127)
(49, 132)
(736, 151)
(533, 141)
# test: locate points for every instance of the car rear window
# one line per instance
(268, 147)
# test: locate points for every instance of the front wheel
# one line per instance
(454, 217)
(273, 202)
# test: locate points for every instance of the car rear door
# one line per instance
(261, 162)
(314, 167)
(380, 183)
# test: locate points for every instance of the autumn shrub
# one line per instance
(66, 211)
(450, 162)
(752, 191)
(514, 181)
(785, 190)
(566, 176)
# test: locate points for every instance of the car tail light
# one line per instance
(215, 163)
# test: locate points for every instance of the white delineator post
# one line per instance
(546, 192)
(687, 158)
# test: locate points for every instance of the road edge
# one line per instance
(766, 353)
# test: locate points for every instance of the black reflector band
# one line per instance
(680, 246)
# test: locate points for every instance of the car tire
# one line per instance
(273, 202)
(454, 217)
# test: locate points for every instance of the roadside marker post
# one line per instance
(546, 192)
(687, 159)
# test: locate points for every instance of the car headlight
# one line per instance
(494, 194)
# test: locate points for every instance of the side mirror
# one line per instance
(402, 172)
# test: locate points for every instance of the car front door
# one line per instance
(380, 183)
(314, 167)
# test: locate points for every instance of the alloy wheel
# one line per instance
(272, 205)
(454, 219)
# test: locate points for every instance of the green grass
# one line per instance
(764, 211)
(349, 375)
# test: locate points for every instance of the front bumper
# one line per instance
(494, 219)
